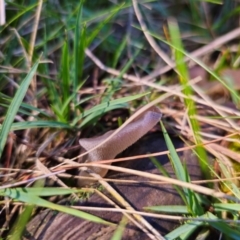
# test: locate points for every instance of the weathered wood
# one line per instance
(51, 226)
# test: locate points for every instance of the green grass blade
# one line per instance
(25, 10)
(186, 229)
(118, 233)
(18, 228)
(70, 98)
(77, 40)
(92, 117)
(38, 124)
(231, 186)
(23, 218)
(182, 174)
(223, 227)
(31, 199)
(129, 63)
(226, 207)
(65, 71)
(107, 104)
(27, 110)
(119, 51)
(230, 82)
(165, 173)
(82, 46)
(14, 106)
(43, 192)
(96, 31)
(113, 102)
(189, 103)
(169, 209)
(197, 61)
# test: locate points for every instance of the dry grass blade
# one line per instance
(208, 101)
(154, 215)
(31, 47)
(30, 180)
(150, 39)
(200, 189)
(199, 52)
(120, 199)
(170, 90)
(65, 175)
(2, 13)
(74, 164)
(23, 150)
